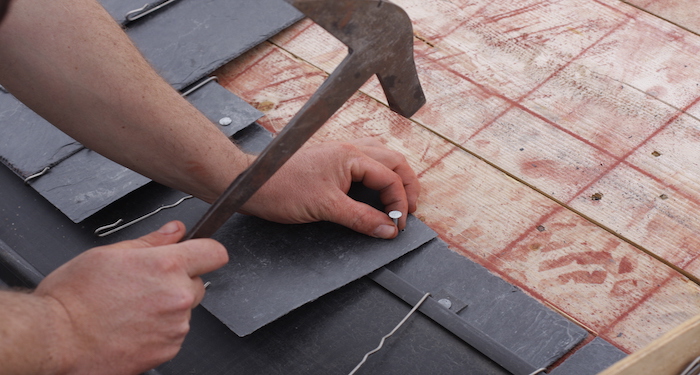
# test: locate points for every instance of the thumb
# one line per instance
(168, 234)
(363, 218)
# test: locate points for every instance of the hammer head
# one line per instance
(379, 36)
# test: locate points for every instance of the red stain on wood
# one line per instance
(625, 266)
(584, 258)
(584, 277)
(624, 287)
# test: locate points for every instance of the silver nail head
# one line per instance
(225, 121)
(445, 302)
(395, 215)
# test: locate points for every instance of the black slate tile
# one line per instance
(520, 323)
(593, 358)
(191, 38)
(28, 143)
(216, 102)
(85, 183)
(276, 268)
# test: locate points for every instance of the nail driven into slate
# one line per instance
(395, 215)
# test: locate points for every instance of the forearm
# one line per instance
(72, 64)
(28, 335)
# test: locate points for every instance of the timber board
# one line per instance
(684, 13)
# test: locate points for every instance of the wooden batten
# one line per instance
(668, 355)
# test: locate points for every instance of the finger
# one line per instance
(377, 176)
(397, 163)
(363, 218)
(200, 256)
(168, 234)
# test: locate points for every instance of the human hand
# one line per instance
(125, 308)
(313, 185)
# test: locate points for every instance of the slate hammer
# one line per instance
(379, 37)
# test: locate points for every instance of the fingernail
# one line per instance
(169, 228)
(385, 231)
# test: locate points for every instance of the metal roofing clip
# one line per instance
(199, 85)
(36, 175)
(145, 10)
(112, 228)
(381, 343)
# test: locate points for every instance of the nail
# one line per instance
(385, 231)
(445, 302)
(395, 215)
(169, 228)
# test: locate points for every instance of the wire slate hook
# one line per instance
(199, 85)
(113, 228)
(36, 175)
(381, 343)
(144, 11)
(693, 368)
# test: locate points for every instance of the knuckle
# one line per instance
(347, 148)
(182, 300)
(167, 264)
(181, 330)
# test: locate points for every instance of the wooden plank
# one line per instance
(684, 13)
(668, 355)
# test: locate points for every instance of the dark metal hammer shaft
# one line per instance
(379, 36)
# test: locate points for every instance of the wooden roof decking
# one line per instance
(560, 146)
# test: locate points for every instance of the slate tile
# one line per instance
(85, 183)
(592, 359)
(276, 268)
(216, 102)
(519, 322)
(190, 39)
(28, 143)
